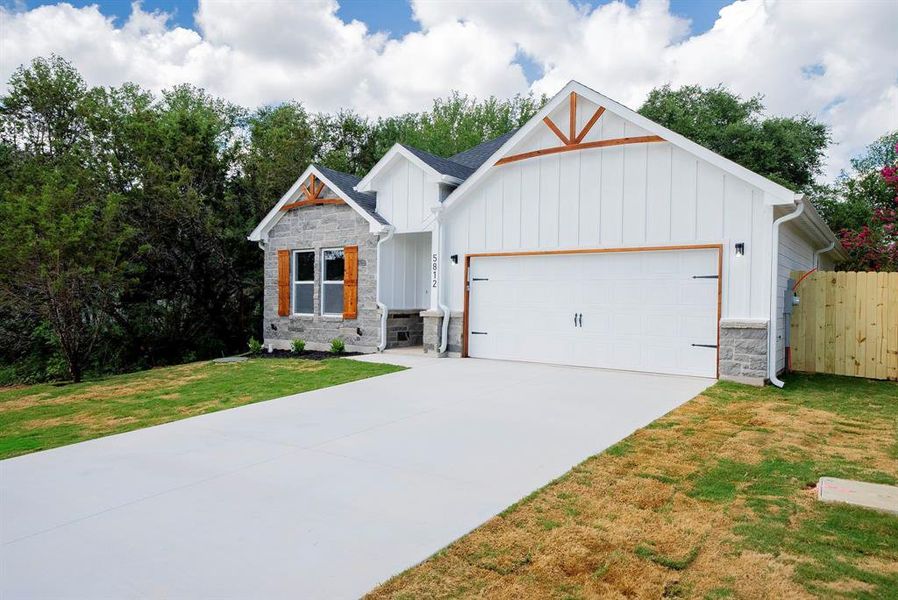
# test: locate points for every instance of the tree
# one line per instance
(281, 145)
(788, 150)
(862, 206)
(456, 123)
(344, 141)
(187, 297)
(61, 235)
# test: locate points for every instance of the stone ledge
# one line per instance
(453, 314)
(755, 381)
(743, 324)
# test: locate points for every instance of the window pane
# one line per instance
(303, 301)
(333, 265)
(305, 266)
(333, 298)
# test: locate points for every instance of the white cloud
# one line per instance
(839, 63)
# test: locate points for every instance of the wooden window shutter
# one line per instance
(350, 282)
(283, 283)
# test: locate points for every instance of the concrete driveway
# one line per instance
(317, 495)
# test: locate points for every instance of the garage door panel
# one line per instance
(640, 310)
(659, 293)
(627, 293)
(702, 292)
(695, 262)
(661, 325)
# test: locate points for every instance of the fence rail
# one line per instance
(846, 323)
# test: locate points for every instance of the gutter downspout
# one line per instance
(774, 293)
(822, 251)
(383, 307)
(444, 335)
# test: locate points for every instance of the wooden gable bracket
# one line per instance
(311, 195)
(574, 140)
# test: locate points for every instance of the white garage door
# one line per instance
(653, 311)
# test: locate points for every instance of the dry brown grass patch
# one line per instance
(87, 421)
(623, 525)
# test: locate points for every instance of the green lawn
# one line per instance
(714, 500)
(38, 417)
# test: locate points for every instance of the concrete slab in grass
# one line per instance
(229, 359)
(859, 493)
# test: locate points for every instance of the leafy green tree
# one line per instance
(281, 145)
(344, 141)
(861, 207)
(61, 233)
(456, 123)
(187, 298)
(788, 150)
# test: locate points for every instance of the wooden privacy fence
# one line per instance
(847, 324)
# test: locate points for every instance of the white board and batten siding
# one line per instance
(652, 194)
(405, 271)
(405, 197)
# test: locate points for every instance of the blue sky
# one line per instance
(389, 16)
(393, 16)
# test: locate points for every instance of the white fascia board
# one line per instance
(811, 220)
(488, 164)
(775, 194)
(275, 214)
(399, 151)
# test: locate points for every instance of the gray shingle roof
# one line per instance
(476, 156)
(461, 166)
(442, 165)
(346, 183)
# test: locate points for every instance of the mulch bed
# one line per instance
(305, 354)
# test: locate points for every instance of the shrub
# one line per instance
(338, 346)
(298, 346)
(255, 346)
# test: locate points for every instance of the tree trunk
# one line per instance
(75, 370)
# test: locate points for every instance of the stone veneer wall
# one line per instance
(743, 351)
(433, 323)
(315, 228)
(404, 328)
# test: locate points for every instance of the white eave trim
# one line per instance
(398, 150)
(275, 214)
(815, 227)
(775, 194)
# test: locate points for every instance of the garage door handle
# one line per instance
(705, 345)
(478, 333)
(706, 276)
(579, 319)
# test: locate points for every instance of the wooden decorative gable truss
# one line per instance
(603, 111)
(312, 188)
(574, 140)
(310, 195)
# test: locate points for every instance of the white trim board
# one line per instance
(398, 150)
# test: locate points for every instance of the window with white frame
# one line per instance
(332, 281)
(304, 282)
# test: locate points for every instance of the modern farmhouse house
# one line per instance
(590, 236)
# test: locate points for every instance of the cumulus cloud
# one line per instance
(839, 64)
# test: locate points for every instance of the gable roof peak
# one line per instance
(776, 193)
